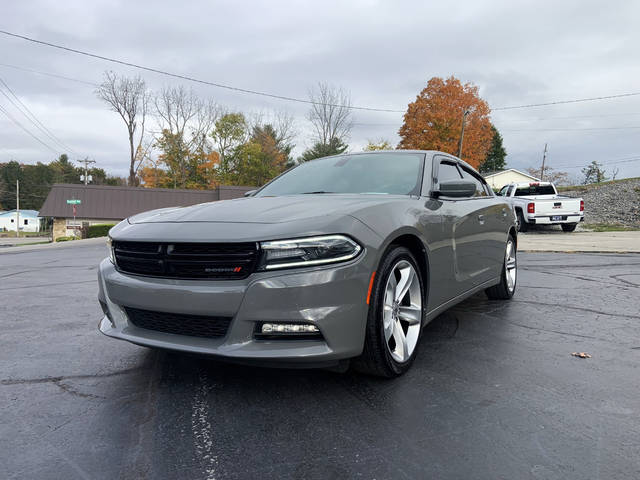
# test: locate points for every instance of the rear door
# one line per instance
(467, 227)
(479, 234)
(495, 219)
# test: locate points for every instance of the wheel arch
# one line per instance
(513, 233)
(412, 242)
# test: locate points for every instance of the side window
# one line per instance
(448, 172)
(503, 191)
(480, 186)
(510, 191)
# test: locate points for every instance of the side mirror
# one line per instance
(249, 193)
(456, 189)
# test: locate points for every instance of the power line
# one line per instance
(284, 97)
(583, 116)
(33, 119)
(634, 159)
(562, 102)
(27, 131)
(568, 129)
(193, 79)
(55, 75)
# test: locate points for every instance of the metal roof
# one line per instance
(117, 203)
(23, 213)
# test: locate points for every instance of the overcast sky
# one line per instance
(516, 52)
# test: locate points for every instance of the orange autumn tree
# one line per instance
(434, 120)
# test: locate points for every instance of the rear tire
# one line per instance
(522, 225)
(507, 286)
(568, 227)
(395, 319)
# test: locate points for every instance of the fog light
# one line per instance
(288, 328)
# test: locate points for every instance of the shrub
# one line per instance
(94, 231)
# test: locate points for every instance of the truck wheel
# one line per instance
(522, 225)
(568, 227)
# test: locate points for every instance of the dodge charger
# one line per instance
(339, 261)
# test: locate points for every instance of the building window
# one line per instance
(26, 221)
(13, 220)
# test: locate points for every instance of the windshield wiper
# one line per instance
(317, 191)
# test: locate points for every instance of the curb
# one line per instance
(54, 245)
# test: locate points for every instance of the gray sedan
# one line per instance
(341, 260)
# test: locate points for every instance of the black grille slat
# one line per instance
(187, 260)
(179, 323)
(139, 265)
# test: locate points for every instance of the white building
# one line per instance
(498, 180)
(29, 221)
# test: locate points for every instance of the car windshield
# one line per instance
(393, 173)
(534, 189)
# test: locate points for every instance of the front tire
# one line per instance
(568, 227)
(507, 286)
(396, 314)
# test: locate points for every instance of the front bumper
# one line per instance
(331, 298)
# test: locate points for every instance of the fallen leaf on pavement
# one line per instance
(581, 354)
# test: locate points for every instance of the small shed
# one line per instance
(73, 207)
(497, 180)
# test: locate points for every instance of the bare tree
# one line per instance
(182, 111)
(284, 123)
(129, 98)
(550, 175)
(330, 113)
(615, 172)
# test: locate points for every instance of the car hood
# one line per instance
(266, 210)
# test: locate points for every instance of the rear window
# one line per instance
(535, 190)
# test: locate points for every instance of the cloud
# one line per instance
(382, 52)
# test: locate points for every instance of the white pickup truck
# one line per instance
(538, 203)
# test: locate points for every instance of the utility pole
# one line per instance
(464, 117)
(17, 208)
(544, 157)
(86, 162)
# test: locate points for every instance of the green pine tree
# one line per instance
(495, 160)
(334, 147)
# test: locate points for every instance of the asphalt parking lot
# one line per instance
(494, 392)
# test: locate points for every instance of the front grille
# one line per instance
(187, 260)
(179, 323)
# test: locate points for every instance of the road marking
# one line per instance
(201, 427)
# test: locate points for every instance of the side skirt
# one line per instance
(454, 301)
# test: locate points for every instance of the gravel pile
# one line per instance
(611, 202)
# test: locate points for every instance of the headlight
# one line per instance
(303, 252)
(112, 256)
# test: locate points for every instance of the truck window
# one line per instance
(535, 189)
(503, 191)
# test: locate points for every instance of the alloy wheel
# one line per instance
(402, 311)
(510, 265)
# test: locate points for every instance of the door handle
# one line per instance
(504, 212)
(481, 218)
